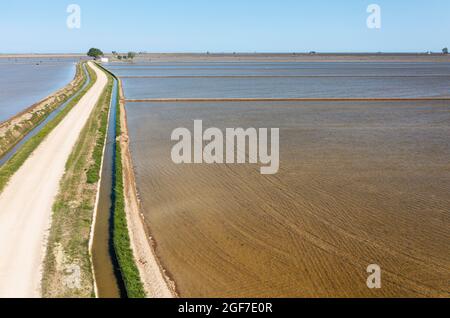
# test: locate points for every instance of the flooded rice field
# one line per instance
(283, 87)
(359, 182)
(26, 81)
(285, 80)
(362, 69)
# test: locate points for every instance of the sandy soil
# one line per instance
(27, 201)
(156, 283)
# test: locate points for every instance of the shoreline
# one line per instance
(157, 283)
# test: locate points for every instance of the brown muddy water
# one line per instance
(359, 183)
(108, 279)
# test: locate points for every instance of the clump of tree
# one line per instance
(95, 53)
(445, 50)
(131, 55)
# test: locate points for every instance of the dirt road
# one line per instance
(26, 203)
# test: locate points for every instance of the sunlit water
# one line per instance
(284, 80)
(359, 183)
(24, 82)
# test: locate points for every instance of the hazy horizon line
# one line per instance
(232, 52)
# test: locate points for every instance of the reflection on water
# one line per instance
(24, 82)
(284, 80)
(321, 87)
(283, 69)
(49, 118)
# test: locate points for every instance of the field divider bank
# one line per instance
(121, 236)
(134, 247)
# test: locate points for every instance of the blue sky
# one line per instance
(224, 26)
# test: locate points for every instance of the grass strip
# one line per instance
(12, 165)
(122, 244)
(68, 243)
(93, 174)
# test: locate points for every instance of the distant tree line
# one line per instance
(129, 55)
(96, 53)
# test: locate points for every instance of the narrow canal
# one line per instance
(106, 270)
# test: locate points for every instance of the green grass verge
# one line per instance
(12, 165)
(122, 244)
(93, 174)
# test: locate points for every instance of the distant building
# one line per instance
(102, 59)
